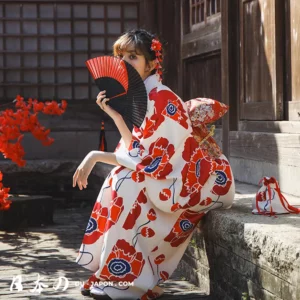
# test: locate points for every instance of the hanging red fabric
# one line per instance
(102, 140)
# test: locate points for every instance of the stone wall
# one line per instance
(237, 253)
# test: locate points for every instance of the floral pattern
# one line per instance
(101, 220)
(123, 264)
(224, 178)
(183, 227)
(135, 211)
(150, 295)
(205, 111)
(157, 163)
(149, 206)
(196, 171)
(168, 104)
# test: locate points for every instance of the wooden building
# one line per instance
(245, 54)
(241, 52)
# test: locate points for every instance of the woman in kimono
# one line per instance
(164, 182)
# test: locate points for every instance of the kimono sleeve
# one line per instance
(167, 126)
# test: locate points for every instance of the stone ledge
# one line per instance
(52, 165)
(53, 177)
(27, 210)
(237, 252)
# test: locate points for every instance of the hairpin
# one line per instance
(157, 47)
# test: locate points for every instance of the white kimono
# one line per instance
(147, 209)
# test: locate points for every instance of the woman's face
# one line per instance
(138, 61)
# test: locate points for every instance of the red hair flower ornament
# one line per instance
(157, 47)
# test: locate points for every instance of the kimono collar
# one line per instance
(152, 82)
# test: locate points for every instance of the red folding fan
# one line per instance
(123, 84)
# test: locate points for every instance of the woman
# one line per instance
(162, 185)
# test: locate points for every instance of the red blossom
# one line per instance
(101, 221)
(164, 275)
(150, 295)
(124, 263)
(24, 119)
(224, 178)
(156, 163)
(151, 215)
(154, 249)
(159, 259)
(165, 194)
(183, 227)
(132, 216)
(138, 176)
(207, 201)
(4, 202)
(156, 45)
(135, 210)
(167, 105)
(147, 232)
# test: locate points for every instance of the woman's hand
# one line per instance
(83, 171)
(101, 101)
(118, 119)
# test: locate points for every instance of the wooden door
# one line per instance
(202, 77)
(261, 59)
(293, 59)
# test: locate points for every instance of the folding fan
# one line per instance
(123, 84)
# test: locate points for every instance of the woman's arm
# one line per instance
(118, 119)
(124, 130)
(84, 169)
(104, 157)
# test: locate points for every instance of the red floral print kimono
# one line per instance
(147, 208)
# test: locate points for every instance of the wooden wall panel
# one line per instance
(202, 77)
(169, 31)
(205, 39)
(294, 26)
(157, 16)
(295, 48)
(229, 68)
(261, 39)
(258, 53)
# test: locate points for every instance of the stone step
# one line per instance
(257, 154)
(50, 251)
(54, 177)
(27, 210)
(237, 254)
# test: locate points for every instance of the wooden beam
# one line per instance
(230, 67)
(204, 39)
(233, 65)
(261, 71)
(270, 126)
(206, 44)
(264, 108)
(213, 24)
(182, 30)
(76, 1)
(225, 73)
(148, 15)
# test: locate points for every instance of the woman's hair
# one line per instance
(141, 40)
